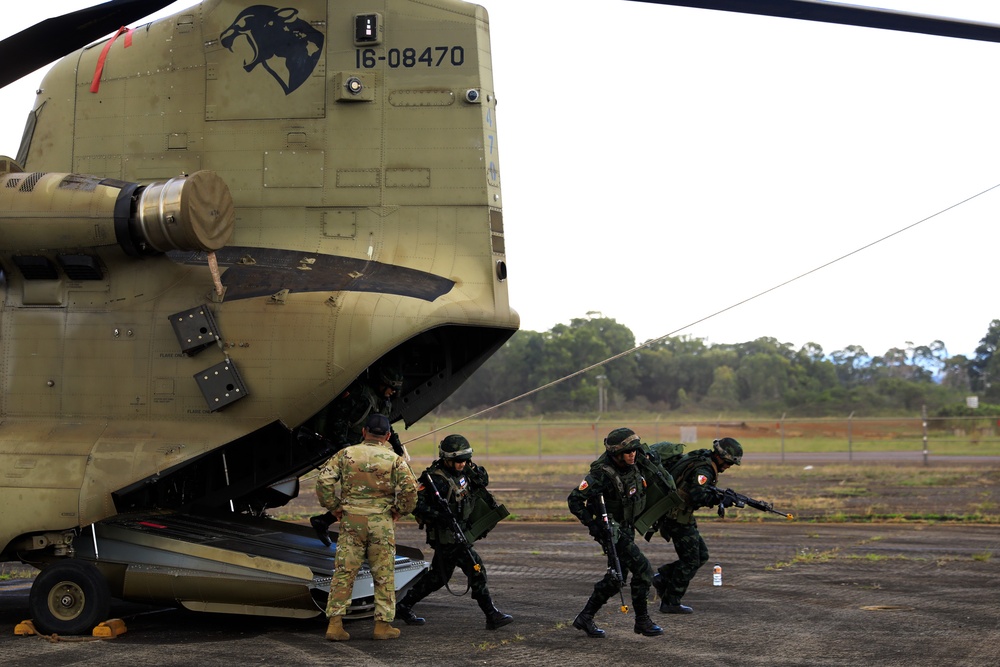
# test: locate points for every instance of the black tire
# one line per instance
(69, 597)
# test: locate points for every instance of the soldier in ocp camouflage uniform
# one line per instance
(616, 477)
(376, 488)
(457, 479)
(693, 473)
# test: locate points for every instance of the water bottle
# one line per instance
(717, 575)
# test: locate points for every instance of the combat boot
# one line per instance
(322, 528)
(643, 623)
(383, 630)
(494, 617)
(660, 584)
(405, 614)
(585, 620)
(335, 631)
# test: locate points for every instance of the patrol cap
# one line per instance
(377, 424)
(455, 448)
(622, 440)
(729, 450)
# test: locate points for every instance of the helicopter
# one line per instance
(215, 223)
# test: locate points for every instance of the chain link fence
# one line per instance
(847, 437)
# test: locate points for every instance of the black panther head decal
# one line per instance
(287, 47)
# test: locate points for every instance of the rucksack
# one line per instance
(669, 453)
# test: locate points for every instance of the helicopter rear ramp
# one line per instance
(227, 563)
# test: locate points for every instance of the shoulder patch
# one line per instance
(583, 485)
(702, 479)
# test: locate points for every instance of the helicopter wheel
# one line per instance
(69, 598)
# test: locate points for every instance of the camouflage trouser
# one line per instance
(692, 553)
(372, 537)
(446, 558)
(632, 560)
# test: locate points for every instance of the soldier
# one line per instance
(376, 488)
(341, 422)
(616, 477)
(461, 484)
(693, 473)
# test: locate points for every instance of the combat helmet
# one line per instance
(729, 450)
(621, 440)
(455, 448)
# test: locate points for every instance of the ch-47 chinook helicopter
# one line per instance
(214, 224)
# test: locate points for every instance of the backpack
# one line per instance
(669, 453)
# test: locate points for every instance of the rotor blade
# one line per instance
(53, 38)
(866, 17)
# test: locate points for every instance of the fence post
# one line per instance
(540, 436)
(923, 417)
(486, 428)
(597, 447)
(850, 443)
(783, 436)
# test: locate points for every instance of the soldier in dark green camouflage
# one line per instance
(456, 478)
(693, 473)
(616, 477)
(341, 422)
(376, 488)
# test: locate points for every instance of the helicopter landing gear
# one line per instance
(69, 598)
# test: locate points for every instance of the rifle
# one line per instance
(455, 528)
(614, 565)
(739, 500)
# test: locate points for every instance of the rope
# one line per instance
(706, 317)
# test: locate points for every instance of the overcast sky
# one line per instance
(661, 164)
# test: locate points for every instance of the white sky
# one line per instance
(660, 164)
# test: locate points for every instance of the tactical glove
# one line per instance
(597, 531)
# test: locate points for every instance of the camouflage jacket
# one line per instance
(459, 490)
(694, 472)
(372, 480)
(624, 494)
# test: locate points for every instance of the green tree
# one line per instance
(984, 369)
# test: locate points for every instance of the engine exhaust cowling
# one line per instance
(57, 211)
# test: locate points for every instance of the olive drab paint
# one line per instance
(216, 222)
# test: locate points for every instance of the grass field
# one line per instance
(552, 437)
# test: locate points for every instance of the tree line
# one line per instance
(686, 374)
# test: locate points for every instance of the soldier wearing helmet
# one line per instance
(616, 477)
(693, 472)
(341, 422)
(466, 504)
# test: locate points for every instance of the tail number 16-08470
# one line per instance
(431, 56)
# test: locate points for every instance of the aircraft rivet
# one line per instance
(50, 383)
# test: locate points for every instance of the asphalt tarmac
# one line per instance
(793, 594)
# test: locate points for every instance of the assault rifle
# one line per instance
(730, 498)
(446, 511)
(614, 565)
